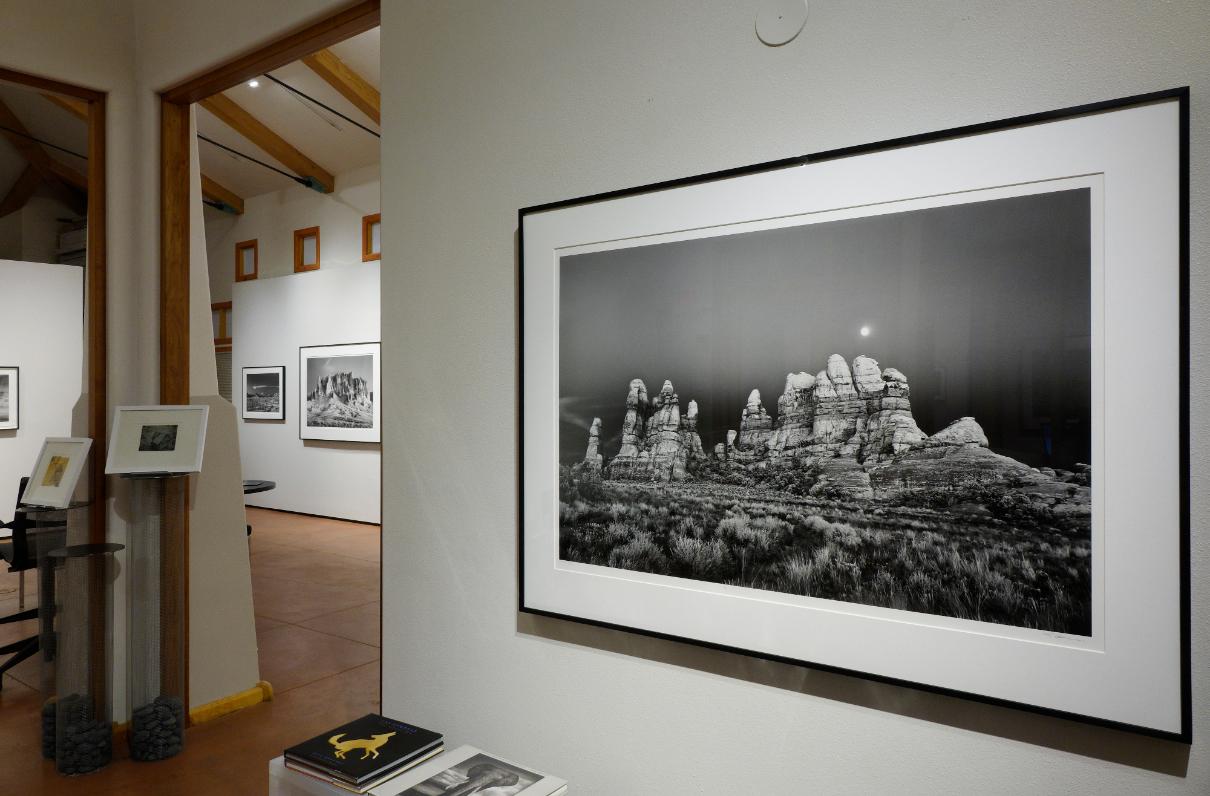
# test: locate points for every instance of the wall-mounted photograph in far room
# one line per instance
(338, 399)
(10, 395)
(264, 393)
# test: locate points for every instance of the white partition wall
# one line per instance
(490, 107)
(271, 319)
(42, 333)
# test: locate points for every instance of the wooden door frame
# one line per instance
(96, 278)
(175, 198)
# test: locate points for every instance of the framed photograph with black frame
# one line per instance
(264, 393)
(10, 398)
(338, 392)
(883, 398)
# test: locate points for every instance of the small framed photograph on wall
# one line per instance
(10, 398)
(157, 439)
(56, 472)
(338, 393)
(264, 393)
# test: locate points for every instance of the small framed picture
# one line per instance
(157, 439)
(338, 392)
(10, 395)
(264, 393)
(56, 472)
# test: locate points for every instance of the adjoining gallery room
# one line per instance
(289, 165)
(520, 398)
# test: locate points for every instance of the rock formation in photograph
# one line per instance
(849, 426)
(340, 399)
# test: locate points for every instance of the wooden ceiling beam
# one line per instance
(247, 125)
(21, 191)
(75, 107)
(210, 188)
(324, 33)
(352, 86)
(72, 182)
(217, 193)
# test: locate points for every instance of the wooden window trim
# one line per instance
(367, 238)
(299, 236)
(240, 247)
(223, 308)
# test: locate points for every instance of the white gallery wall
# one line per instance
(270, 219)
(489, 107)
(274, 318)
(42, 333)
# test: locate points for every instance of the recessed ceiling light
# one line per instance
(253, 83)
(865, 331)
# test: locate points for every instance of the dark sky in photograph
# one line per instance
(256, 380)
(985, 307)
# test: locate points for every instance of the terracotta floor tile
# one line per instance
(311, 566)
(304, 569)
(292, 656)
(264, 623)
(295, 601)
(359, 624)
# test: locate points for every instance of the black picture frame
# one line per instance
(248, 415)
(13, 424)
(371, 434)
(1183, 734)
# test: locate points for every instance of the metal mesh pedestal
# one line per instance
(156, 589)
(83, 576)
(50, 529)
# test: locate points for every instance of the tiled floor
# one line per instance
(315, 586)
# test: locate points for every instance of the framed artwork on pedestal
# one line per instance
(56, 472)
(338, 393)
(874, 411)
(148, 440)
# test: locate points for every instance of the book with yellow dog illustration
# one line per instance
(358, 755)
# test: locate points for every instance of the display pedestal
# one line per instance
(48, 530)
(83, 653)
(155, 566)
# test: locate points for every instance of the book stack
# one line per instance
(364, 753)
(467, 770)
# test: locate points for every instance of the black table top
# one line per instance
(251, 487)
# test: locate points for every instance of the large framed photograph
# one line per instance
(338, 393)
(10, 398)
(56, 472)
(264, 393)
(167, 440)
(878, 399)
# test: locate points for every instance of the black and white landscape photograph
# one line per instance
(158, 438)
(340, 391)
(263, 387)
(8, 398)
(264, 392)
(893, 410)
(479, 773)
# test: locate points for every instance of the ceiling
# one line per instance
(330, 141)
(324, 137)
(43, 119)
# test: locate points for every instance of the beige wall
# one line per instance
(488, 107)
(271, 219)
